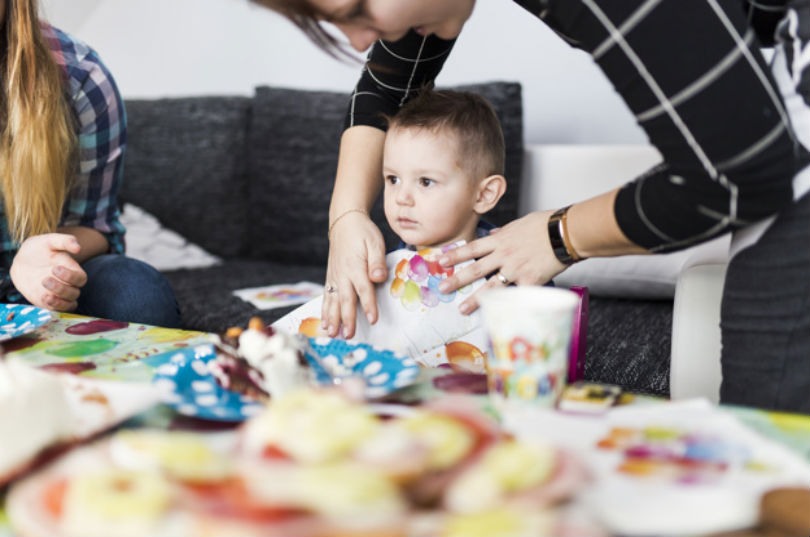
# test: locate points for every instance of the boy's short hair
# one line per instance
(473, 120)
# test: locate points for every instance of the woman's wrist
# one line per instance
(339, 217)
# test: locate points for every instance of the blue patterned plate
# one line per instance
(187, 385)
(19, 319)
(383, 371)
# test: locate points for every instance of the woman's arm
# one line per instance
(93, 198)
(356, 246)
(697, 83)
(393, 73)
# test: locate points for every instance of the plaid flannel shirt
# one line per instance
(101, 128)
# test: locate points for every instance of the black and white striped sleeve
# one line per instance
(393, 73)
(692, 74)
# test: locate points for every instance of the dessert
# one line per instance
(259, 362)
(315, 463)
(35, 415)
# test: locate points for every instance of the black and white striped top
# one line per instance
(692, 74)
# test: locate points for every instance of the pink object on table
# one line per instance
(579, 332)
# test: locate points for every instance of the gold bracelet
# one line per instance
(341, 215)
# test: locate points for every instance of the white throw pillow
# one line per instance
(558, 175)
(162, 248)
(639, 276)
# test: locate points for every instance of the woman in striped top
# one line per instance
(735, 158)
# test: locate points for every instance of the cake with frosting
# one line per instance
(259, 361)
(35, 415)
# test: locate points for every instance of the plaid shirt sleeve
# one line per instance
(93, 199)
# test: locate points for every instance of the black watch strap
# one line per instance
(555, 237)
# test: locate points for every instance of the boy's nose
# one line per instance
(404, 196)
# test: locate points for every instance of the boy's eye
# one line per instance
(426, 181)
(393, 179)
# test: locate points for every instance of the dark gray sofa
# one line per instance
(249, 179)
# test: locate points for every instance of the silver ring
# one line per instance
(501, 278)
(330, 288)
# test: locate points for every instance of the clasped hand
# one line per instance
(45, 272)
(519, 251)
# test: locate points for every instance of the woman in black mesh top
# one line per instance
(734, 158)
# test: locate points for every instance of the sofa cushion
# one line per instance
(293, 143)
(185, 164)
(206, 296)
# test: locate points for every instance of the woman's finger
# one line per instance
(469, 274)
(473, 250)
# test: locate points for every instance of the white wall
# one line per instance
(192, 47)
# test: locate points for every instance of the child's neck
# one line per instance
(466, 237)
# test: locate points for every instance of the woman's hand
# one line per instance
(45, 272)
(518, 253)
(356, 264)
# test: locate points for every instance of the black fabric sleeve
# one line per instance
(393, 73)
(693, 76)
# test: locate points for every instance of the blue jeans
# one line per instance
(124, 289)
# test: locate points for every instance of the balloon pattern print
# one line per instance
(416, 279)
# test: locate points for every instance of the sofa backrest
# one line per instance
(253, 177)
(186, 164)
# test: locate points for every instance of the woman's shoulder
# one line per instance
(67, 50)
(84, 70)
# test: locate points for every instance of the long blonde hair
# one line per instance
(38, 140)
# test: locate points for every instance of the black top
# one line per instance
(691, 73)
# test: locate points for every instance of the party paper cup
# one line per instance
(530, 335)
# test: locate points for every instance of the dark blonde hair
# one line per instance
(38, 139)
(481, 148)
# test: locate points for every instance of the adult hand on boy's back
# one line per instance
(46, 274)
(356, 264)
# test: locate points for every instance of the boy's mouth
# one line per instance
(407, 222)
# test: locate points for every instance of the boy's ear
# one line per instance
(490, 190)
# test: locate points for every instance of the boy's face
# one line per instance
(429, 198)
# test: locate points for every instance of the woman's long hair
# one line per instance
(38, 141)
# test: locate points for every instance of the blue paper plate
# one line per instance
(19, 319)
(188, 386)
(383, 371)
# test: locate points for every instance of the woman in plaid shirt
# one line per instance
(61, 154)
(735, 159)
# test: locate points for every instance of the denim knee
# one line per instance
(126, 289)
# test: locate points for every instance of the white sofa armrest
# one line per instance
(695, 356)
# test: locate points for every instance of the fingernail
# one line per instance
(369, 318)
(444, 261)
(379, 273)
(464, 308)
(331, 331)
(443, 287)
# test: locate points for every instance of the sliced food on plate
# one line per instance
(313, 462)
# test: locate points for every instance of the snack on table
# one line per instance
(259, 361)
(314, 464)
(35, 415)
